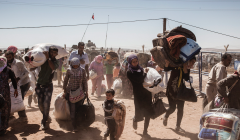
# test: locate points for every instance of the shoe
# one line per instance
(106, 134)
(29, 105)
(179, 129)
(23, 119)
(134, 125)
(165, 121)
(43, 127)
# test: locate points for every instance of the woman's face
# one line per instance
(75, 66)
(191, 63)
(135, 62)
(99, 60)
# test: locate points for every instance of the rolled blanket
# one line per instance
(175, 44)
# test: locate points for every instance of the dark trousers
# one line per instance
(44, 94)
(24, 90)
(111, 124)
(172, 108)
(74, 109)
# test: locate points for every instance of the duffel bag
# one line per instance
(158, 106)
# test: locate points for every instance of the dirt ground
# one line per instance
(62, 130)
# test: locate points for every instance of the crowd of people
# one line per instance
(75, 70)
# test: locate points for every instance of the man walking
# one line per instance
(21, 74)
(82, 56)
(217, 73)
(44, 86)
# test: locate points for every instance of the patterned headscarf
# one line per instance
(130, 66)
(3, 63)
(12, 48)
(75, 61)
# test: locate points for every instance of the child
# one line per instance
(108, 110)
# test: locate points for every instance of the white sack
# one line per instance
(92, 74)
(16, 103)
(39, 57)
(61, 108)
(32, 84)
(117, 84)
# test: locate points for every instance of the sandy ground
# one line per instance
(61, 130)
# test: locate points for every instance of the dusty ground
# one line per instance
(62, 130)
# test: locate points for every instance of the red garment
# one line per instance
(235, 73)
(175, 43)
(12, 48)
(152, 58)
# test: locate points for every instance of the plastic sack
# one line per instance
(149, 80)
(61, 108)
(16, 103)
(189, 50)
(38, 56)
(117, 84)
(92, 74)
(219, 126)
(32, 84)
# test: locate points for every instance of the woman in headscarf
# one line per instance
(75, 76)
(127, 89)
(97, 66)
(178, 74)
(6, 74)
(142, 97)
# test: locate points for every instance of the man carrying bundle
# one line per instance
(44, 86)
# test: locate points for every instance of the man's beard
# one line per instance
(10, 61)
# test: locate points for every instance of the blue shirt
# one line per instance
(84, 56)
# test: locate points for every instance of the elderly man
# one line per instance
(233, 84)
(21, 74)
(82, 56)
(217, 73)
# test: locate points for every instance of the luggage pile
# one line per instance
(178, 46)
(218, 125)
(36, 58)
(110, 56)
(143, 59)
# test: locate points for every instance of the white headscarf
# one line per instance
(75, 61)
(3, 63)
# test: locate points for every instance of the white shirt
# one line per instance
(84, 56)
(20, 71)
(217, 73)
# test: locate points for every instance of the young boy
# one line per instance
(108, 110)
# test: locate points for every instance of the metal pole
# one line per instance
(164, 25)
(106, 33)
(86, 29)
(200, 86)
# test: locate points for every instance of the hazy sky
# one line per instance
(217, 15)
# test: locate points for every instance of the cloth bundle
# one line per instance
(119, 115)
(36, 57)
(143, 59)
(110, 56)
(61, 108)
(171, 44)
(219, 126)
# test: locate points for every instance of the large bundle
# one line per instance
(36, 58)
(171, 47)
(61, 108)
(143, 59)
(110, 56)
(219, 126)
(119, 115)
(32, 84)
(16, 103)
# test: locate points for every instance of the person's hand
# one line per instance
(146, 70)
(15, 93)
(226, 100)
(166, 63)
(46, 54)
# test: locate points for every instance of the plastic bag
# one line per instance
(61, 108)
(16, 103)
(92, 74)
(117, 84)
(38, 56)
(149, 80)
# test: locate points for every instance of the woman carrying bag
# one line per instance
(175, 80)
(75, 88)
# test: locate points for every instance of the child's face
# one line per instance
(109, 96)
(75, 66)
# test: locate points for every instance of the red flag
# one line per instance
(93, 16)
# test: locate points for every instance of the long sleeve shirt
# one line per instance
(217, 73)
(72, 81)
(97, 67)
(20, 71)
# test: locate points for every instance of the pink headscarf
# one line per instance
(12, 48)
(3, 63)
(99, 57)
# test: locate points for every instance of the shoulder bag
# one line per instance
(186, 94)
(158, 106)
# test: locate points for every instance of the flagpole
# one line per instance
(87, 28)
(106, 33)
